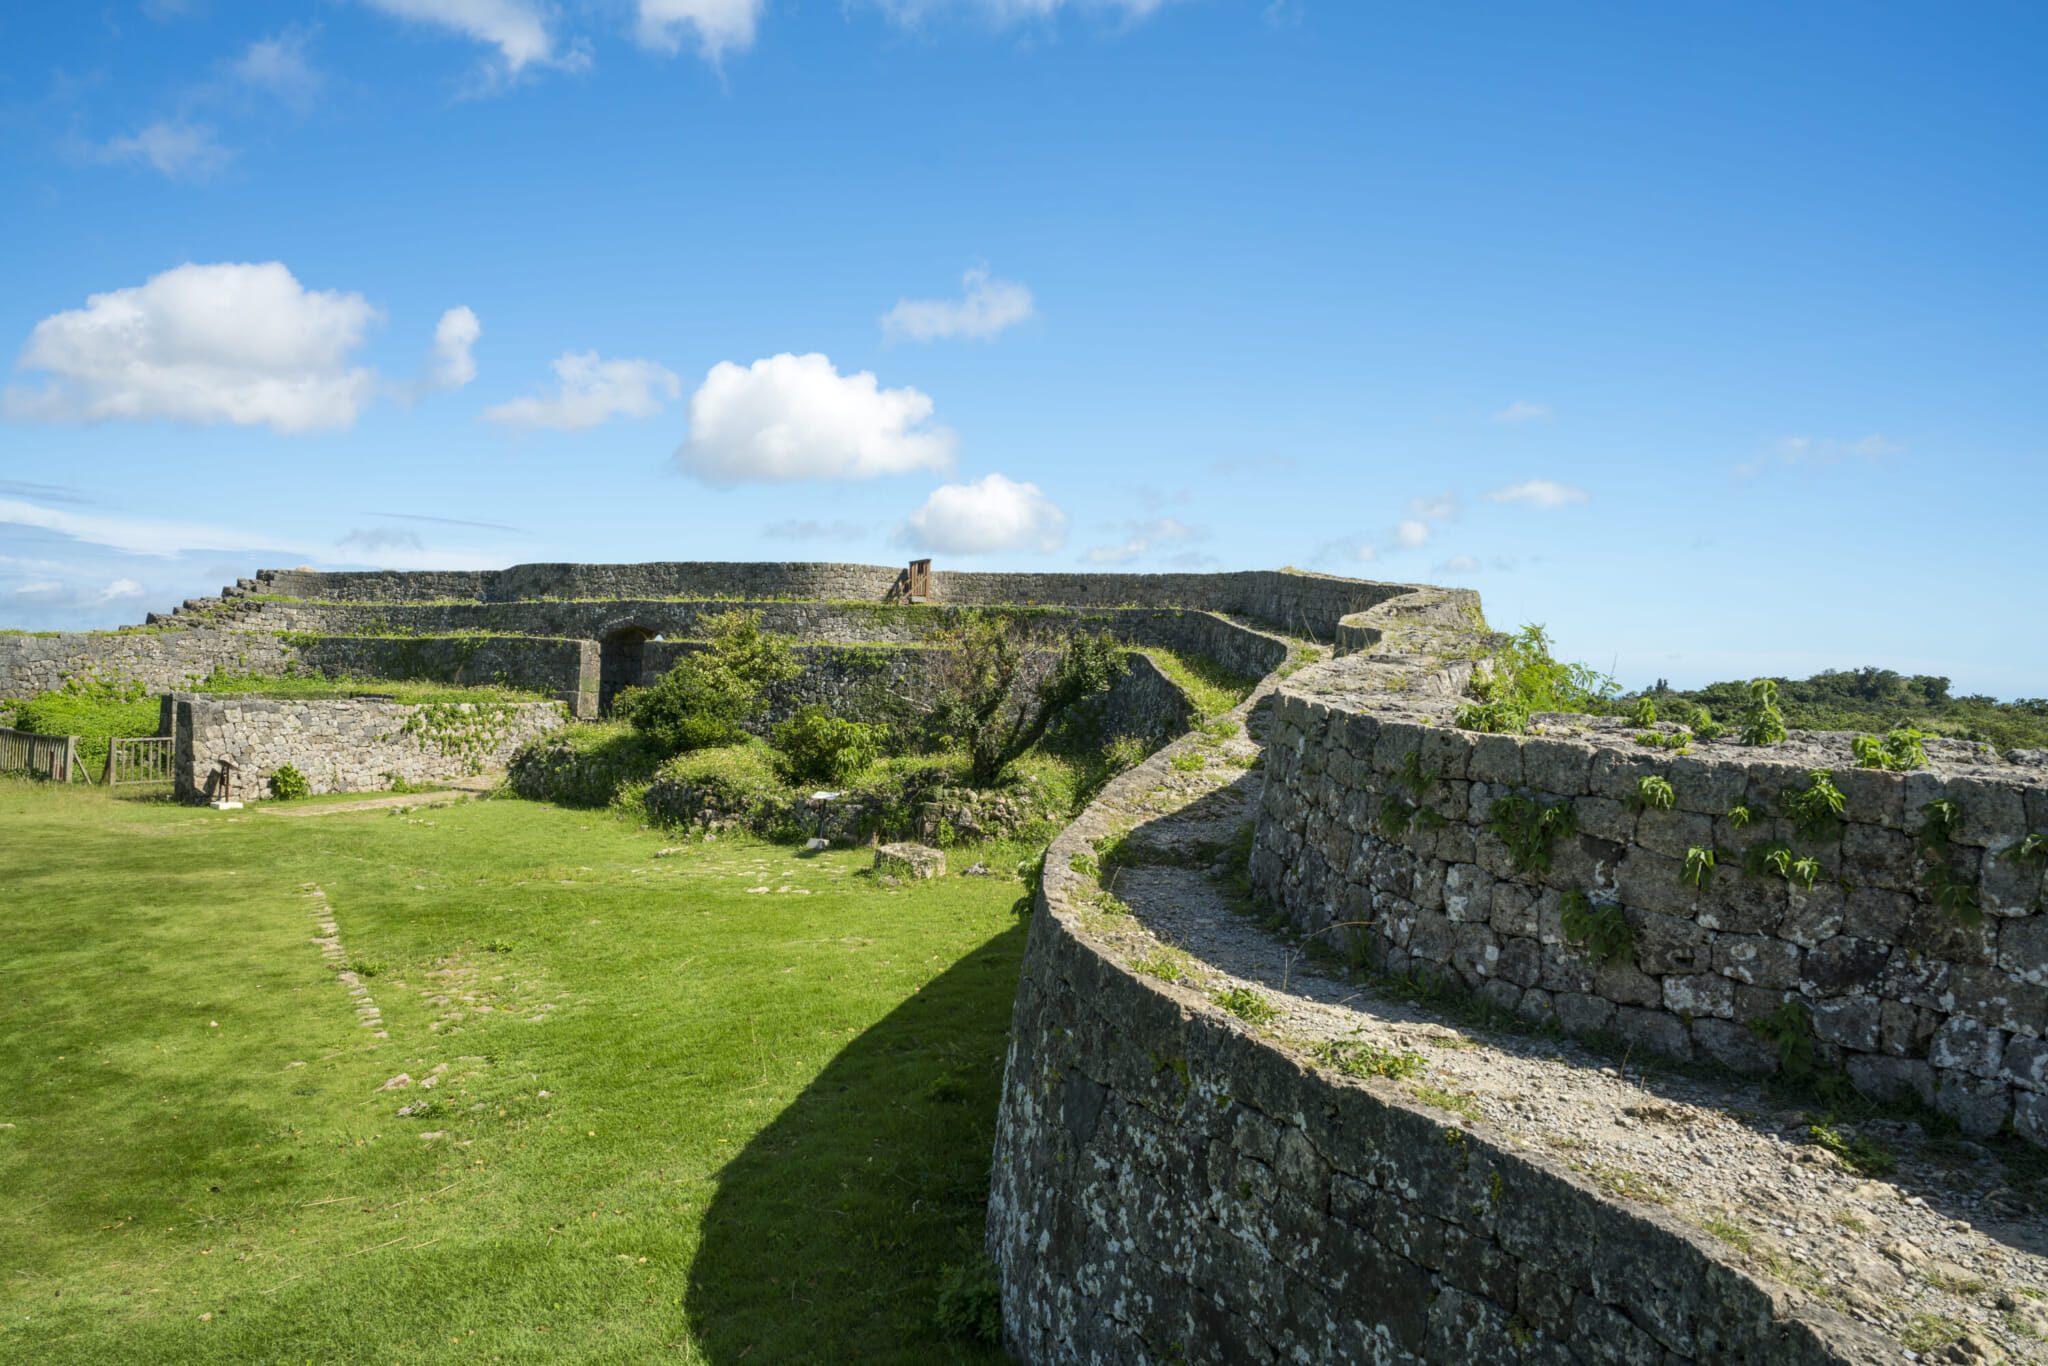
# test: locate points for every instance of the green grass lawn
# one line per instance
(674, 1118)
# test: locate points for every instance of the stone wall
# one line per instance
(565, 669)
(343, 744)
(161, 661)
(1907, 996)
(1311, 604)
(1171, 1186)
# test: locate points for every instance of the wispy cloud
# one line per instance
(381, 538)
(719, 26)
(140, 536)
(1804, 450)
(174, 148)
(1538, 493)
(592, 391)
(278, 67)
(1521, 410)
(799, 530)
(1145, 538)
(1458, 564)
(986, 307)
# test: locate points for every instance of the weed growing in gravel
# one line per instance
(1370, 1060)
(1165, 964)
(1618, 1180)
(1188, 763)
(1856, 1150)
(1930, 1332)
(1730, 1232)
(1457, 1102)
(1248, 1005)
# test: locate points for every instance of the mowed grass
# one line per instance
(675, 1119)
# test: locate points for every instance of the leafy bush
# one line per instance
(814, 746)
(92, 712)
(1816, 811)
(987, 701)
(701, 702)
(288, 784)
(1601, 929)
(1653, 794)
(971, 1303)
(1762, 722)
(1898, 751)
(1643, 712)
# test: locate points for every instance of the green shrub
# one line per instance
(1763, 723)
(1643, 712)
(288, 784)
(700, 703)
(971, 1303)
(1653, 794)
(92, 712)
(814, 746)
(1815, 811)
(1899, 750)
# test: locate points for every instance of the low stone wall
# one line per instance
(1380, 815)
(568, 669)
(344, 744)
(1170, 1186)
(161, 661)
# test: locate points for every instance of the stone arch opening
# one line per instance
(620, 663)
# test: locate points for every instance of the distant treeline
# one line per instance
(1876, 700)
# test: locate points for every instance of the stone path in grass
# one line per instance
(461, 790)
(368, 1016)
(1945, 1252)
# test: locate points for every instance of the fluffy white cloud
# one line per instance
(992, 513)
(1538, 493)
(279, 67)
(517, 28)
(1521, 410)
(1144, 537)
(592, 391)
(985, 308)
(179, 150)
(453, 336)
(796, 417)
(1411, 533)
(719, 26)
(236, 343)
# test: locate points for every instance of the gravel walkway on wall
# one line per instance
(1941, 1254)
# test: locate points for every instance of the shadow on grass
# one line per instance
(829, 1233)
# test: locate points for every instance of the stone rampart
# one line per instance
(346, 744)
(1915, 960)
(1170, 1185)
(160, 661)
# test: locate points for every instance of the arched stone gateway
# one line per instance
(619, 662)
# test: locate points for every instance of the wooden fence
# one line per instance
(143, 759)
(47, 756)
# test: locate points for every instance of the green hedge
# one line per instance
(91, 715)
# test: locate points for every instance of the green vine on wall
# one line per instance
(469, 731)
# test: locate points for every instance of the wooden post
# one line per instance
(107, 778)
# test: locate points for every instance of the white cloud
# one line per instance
(720, 26)
(138, 536)
(1805, 450)
(1440, 508)
(1521, 410)
(592, 391)
(236, 343)
(796, 417)
(795, 529)
(278, 66)
(453, 336)
(53, 593)
(1458, 564)
(985, 308)
(381, 538)
(1538, 493)
(177, 149)
(992, 513)
(518, 29)
(1145, 536)
(1016, 11)
(1411, 533)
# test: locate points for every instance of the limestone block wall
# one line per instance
(1905, 995)
(567, 669)
(346, 745)
(1169, 1185)
(159, 661)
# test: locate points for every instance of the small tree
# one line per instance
(702, 700)
(993, 702)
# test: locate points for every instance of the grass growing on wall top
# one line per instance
(309, 687)
(1211, 685)
(729, 1139)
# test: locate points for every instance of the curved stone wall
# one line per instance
(1379, 814)
(1169, 1185)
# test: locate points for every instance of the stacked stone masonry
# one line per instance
(345, 745)
(1908, 998)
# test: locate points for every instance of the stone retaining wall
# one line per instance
(1170, 1186)
(161, 661)
(344, 744)
(565, 668)
(1907, 996)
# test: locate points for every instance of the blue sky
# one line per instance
(1716, 338)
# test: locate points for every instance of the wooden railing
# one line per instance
(48, 756)
(141, 759)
